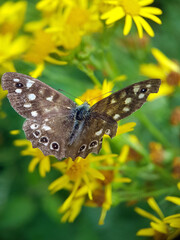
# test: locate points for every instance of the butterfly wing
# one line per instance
(105, 114)
(49, 113)
(126, 101)
(50, 135)
(34, 99)
(90, 137)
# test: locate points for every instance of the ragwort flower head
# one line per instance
(12, 16)
(132, 10)
(162, 227)
(166, 69)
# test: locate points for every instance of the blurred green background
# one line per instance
(27, 210)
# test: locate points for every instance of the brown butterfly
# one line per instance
(57, 126)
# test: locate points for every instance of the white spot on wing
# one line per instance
(116, 116)
(29, 83)
(34, 113)
(113, 101)
(125, 109)
(27, 105)
(46, 128)
(136, 88)
(49, 98)
(148, 85)
(37, 133)
(34, 126)
(128, 100)
(108, 131)
(18, 90)
(98, 133)
(16, 80)
(123, 94)
(31, 96)
(141, 95)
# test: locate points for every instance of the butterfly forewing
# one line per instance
(32, 98)
(126, 101)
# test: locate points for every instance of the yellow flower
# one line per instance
(135, 10)
(94, 95)
(161, 228)
(75, 173)
(11, 49)
(175, 200)
(38, 157)
(2, 96)
(167, 70)
(41, 46)
(174, 220)
(12, 16)
(69, 20)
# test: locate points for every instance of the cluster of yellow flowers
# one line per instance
(57, 37)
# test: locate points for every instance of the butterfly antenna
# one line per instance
(61, 90)
(99, 96)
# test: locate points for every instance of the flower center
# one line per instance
(131, 7)
(77, 169)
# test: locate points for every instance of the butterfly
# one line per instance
(57, 126)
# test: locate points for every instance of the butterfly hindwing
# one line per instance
(90, 138)
(50, 135)
(32, 98)
(126, 101)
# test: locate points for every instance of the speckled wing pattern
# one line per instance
(126, 101)
(48, 124)
(58, 127)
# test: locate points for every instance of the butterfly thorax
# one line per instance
(81, 114)
(82, 111)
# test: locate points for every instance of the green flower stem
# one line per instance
(140, 194)
(152, 129)
(89, 73)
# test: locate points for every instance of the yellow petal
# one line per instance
(146, 26)
(14, 132)
(169, 218)
(164, 90)
(152, 10)
(102, 217)
(138, 25)
(128, 24)
(113, 15)
(127, 127)
(152, 203)
(124, 153)
(145, 2)
(146, 232)
(96, 174)
(59, 183)
(175, 200)
(55, 61)
(44, 166)
(33, 164)
(150, 16)
(152, 71)
(68, 201)
(159, 227)
(146, 214)
(38, 71)
(164, 61)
